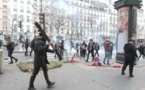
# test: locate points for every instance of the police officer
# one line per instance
(130, 56)
(40, 61)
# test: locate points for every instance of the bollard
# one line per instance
(1, 61)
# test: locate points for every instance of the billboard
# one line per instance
(123, 17)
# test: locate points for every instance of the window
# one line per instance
(15, 16)
(15, 0)
(28, 10)
(21, 1)
(15, 27)
(4, 14)
(22, 9)
(15, 8)
(21, 17)
(4, 25)
(28, 18)
(28, 28)
(4, 4)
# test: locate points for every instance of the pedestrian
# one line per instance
(62, 48)
(26, 47)
(1, 43)
(130, 56)
(90, 50)
(141, 51)
(107, 51)
(10, 47)
(40, 61)
(57, 48)
(32, 46)
(97, 47)
(111, 49)
(83, 47)
(77, 49)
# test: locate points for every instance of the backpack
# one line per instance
(83, 46)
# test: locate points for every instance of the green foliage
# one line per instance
(28, 66)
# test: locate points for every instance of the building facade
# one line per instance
(4, 18)
(85, 19)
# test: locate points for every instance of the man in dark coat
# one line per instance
(32, 46)
(83, 48)
(90, 50)
(26, 47)
(40, 61)
(10, 47)
(130, 57)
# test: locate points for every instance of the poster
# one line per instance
(123, 17)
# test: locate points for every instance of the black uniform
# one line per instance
(130, 56)
(40, 61)
(32, 46)
(10, 47)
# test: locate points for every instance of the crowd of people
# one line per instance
(93, 48)
(40, 48)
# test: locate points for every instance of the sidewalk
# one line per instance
(73, 76)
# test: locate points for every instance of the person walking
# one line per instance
(62, 48)
(40, 61)
(107, 51)
(26, 47)
(141, 51)
(90, 49)
(83, 47)
(32, 46)
(97, 47)
(10, 47)
(111, 49)
(130, 57)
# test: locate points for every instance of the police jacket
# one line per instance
(130, 51)
(40, 51)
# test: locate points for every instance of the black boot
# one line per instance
(50, 84)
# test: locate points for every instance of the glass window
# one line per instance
(4, 25)
(4, 4)
(28, 9)
(15, 8)
(4, 14)
(15, 0)
(21, 17)
(15, 16)
(28, 18)
(28, 28)
(21, 1)
(22, 9)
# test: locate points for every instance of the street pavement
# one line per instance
(73, 76)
